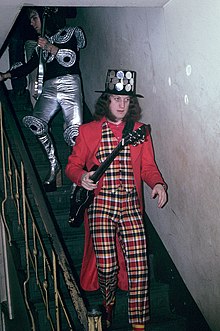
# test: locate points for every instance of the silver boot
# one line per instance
(54, 177)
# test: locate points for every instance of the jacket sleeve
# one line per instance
(26, 68)
(150, 173)
(80, 37)
(77, 160)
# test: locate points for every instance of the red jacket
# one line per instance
(83, 155)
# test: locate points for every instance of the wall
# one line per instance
(176, 53)
(10, 8)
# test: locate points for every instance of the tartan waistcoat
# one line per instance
(120, 172)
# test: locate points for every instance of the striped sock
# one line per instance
(137, 327)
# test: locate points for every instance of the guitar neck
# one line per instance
(41, 62)
(42, 35)
(104, 165)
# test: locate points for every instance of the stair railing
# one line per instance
(17, 176)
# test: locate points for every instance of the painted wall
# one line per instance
(9, 9)
(176, 53)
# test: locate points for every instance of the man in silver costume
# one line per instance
(61, 88)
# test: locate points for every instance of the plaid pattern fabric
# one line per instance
(116, 212)
(120, 172)
(119, 214)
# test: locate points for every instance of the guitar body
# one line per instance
(40, 79)
(39, 84)
(79, 201)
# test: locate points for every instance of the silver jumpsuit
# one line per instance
(61, 91)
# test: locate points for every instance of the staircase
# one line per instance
(164, 316)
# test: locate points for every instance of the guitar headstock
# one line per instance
(136, 137)
(48, 11)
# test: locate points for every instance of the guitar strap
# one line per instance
(129, 126)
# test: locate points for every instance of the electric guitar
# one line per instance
(40, 78)
(81, 198)
(47, 12)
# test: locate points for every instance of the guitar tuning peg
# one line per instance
(138, 142)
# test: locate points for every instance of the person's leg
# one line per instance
(103, 231)
(16, 59)
(32, 77)
(45, 108)
(54, 176)
(133, 242)
(71, 101)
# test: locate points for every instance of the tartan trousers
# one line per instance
(119, 214)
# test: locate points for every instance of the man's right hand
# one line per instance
(86, 182)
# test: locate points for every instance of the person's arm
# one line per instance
(151, 174)
(44, 44)
(80, 37)
(77, 160)
(26, 68)
(86, 182)
(22, 70)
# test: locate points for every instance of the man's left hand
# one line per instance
(159, 191)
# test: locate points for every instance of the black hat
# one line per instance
(121, 82)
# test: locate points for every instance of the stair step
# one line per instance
(171, 322)
(159, 300)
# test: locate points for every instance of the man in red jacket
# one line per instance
(114, 228)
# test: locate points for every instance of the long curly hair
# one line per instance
(102, 108)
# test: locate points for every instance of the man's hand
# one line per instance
(159, 191)
(44, 44)
(88, 183)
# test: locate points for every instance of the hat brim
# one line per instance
(121, 93)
